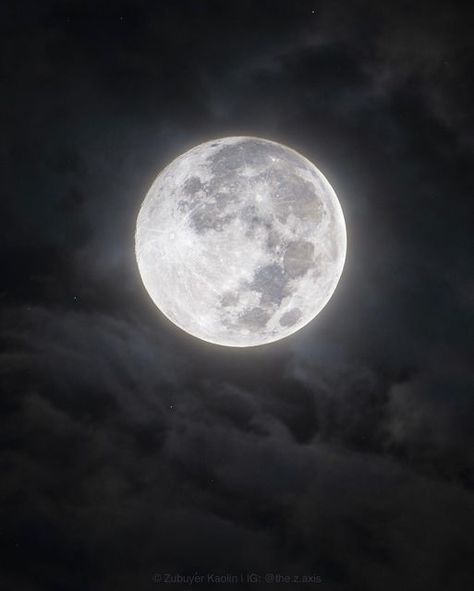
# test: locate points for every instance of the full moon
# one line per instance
(240, 241)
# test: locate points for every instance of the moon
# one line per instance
(240, 241)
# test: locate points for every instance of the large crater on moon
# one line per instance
(240, 241)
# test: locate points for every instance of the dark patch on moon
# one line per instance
(298, 258)
(225, 199)
(193, 185)
(230, 298)
(291, 317)
(209, 217)
(274, 240)
(253, 220)
(254, 319)
(270, 281)
(212, 215)
(183, 205)
(292, 194)
(228, 159)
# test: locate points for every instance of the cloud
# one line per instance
(119, 465)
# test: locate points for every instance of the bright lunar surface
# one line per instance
(240, 241)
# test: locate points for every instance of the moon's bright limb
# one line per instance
(240, 241)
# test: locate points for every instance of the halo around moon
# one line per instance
(240, 241)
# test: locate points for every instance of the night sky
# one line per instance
(130, 449)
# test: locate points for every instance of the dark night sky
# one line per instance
(129, 448)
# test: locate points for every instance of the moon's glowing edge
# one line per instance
(342, 242)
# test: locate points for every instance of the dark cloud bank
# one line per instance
(128, 448)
